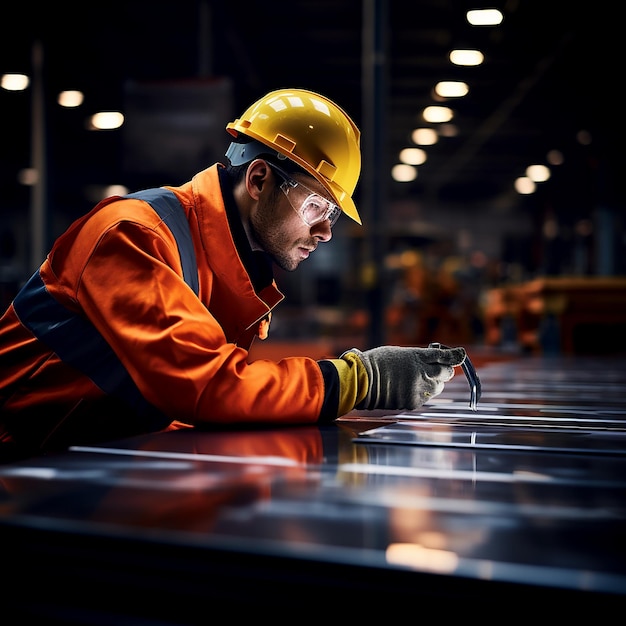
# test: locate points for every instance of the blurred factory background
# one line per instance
(463, 242)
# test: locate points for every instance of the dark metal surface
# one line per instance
(525, 498)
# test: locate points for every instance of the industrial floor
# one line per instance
(515, 509)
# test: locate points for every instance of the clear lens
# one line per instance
(314, 208)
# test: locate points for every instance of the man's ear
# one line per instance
(257, 176)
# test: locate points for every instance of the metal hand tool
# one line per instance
(470, 374)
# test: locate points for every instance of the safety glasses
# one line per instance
(314, 208)
(470, 374)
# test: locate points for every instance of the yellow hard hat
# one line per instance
(312, 131)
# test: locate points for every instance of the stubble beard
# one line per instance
(264, 226)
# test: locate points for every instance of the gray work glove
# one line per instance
(406, 378)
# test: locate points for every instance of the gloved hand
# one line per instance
(404, 377)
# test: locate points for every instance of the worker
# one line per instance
(141, 316)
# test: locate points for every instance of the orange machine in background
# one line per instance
(569, 314)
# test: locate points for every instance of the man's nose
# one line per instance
(322, 231)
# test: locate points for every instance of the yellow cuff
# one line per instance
(353, 381)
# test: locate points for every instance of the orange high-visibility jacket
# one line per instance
(118, 270)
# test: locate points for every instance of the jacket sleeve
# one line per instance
(130, 285)
(346, 384)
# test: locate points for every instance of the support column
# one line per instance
(374, 168)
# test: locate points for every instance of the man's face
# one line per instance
(280, 230)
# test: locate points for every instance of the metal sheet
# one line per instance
(529, 491)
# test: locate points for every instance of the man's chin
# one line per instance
(288, 265)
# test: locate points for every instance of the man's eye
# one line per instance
(317, 204)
